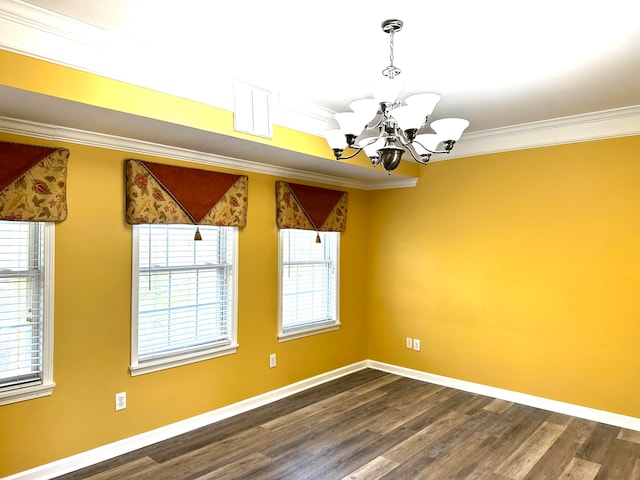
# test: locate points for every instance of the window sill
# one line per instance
(179, 360)
(26, 393)
(294, 334)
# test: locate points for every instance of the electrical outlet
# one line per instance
(272, 360)
(121, 401)
(416, 344)
(409, 342)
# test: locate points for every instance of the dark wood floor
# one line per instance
(374, 425)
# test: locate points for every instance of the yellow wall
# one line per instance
(92, 323)
(518, 270)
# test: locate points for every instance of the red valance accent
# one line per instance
(158, 193)
(33, 183)
(310, 208)
(16, 159)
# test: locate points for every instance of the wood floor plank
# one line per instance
(559, 418)
(425, 437)
(306, 412)
(373, 470)
(237, 469)
(629, 435)
(466, 453)
(579, 469)
(343, 408)
(286, 467)
(525, 457)
(498, 406)
(392, 419)
(409, 469)
(210, 457)
(129, 470)
(636, 469)
(339, 466)
(416, 396)
(438, 405)
(331, 412)
(510, 430)
(620, 461)
(595, 448)
(335, 460)
(553, 462)
(451, 440)
(474, 460)
(474, 404)
(315, 439)
(435, 407)
(374, 384)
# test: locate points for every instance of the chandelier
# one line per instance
(397, 123)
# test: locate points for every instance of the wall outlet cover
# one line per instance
(121, 401)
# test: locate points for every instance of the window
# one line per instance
(308, 283)
(26, 310)
(184, 295)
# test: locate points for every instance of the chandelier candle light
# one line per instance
(397, 124)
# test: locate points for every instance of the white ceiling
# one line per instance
(497, 63)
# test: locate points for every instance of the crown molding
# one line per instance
(618, 122)
(50, 22)
(101, 140)
(303, 116)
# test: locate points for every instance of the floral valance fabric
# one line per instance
(157, 193)
(33, 183)
(310, 208)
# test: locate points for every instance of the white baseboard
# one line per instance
(100, 454)
(587, 413)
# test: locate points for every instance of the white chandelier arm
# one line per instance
(358, 150)
(409, 148)
(429, 150)
(340, 157)
(422, 159)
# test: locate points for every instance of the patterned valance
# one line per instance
(158, 193)
(33, 183)
(310, 208)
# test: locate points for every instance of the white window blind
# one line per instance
(185, 302)
(25, 328)
(308, 281)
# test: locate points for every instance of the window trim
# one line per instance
(189, 356)
(45, 388)
(311, 328)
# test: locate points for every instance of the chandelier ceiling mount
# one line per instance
(391, 27)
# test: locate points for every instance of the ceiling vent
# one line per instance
(252, 110)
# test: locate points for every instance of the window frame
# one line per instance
(311, 328)
(140, 367)
(45, 384)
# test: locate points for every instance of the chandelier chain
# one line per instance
(391, 49)
(391, 71)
